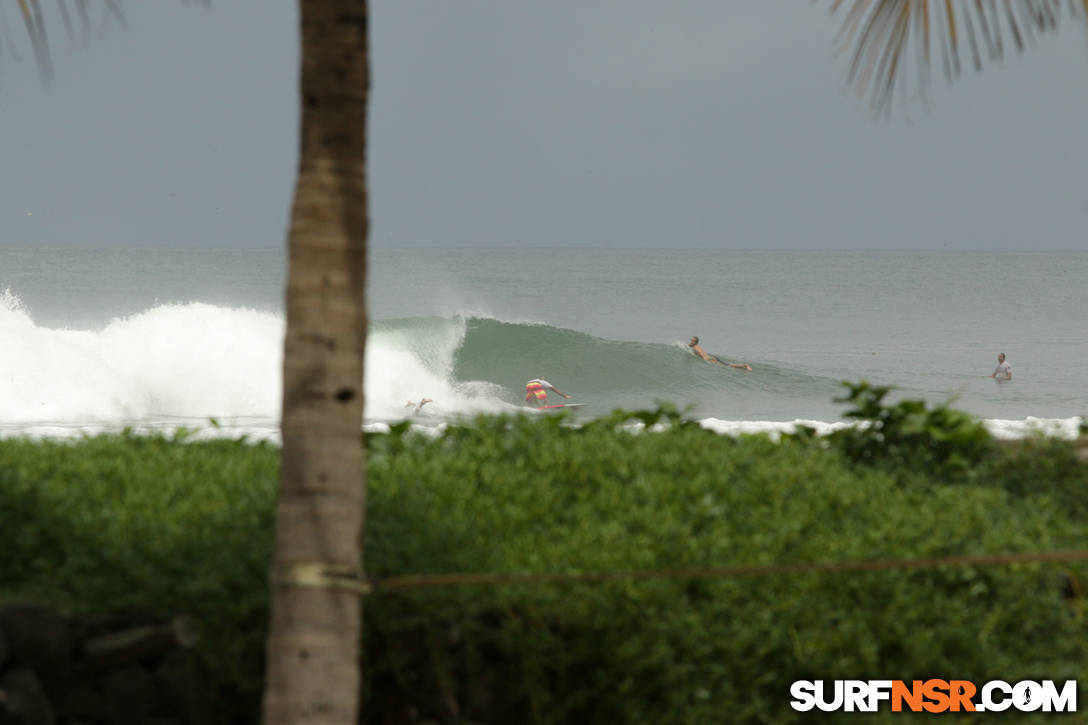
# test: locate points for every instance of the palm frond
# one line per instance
(35, 21)
(85, 18)
(114, 10)
(880, 34)
(63, 5)
(9, 43)
(35, 30)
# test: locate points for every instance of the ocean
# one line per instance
(97, 340)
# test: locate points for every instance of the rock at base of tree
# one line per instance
(128, 695)
(23, 701)
(185, 687)
(37, 637)
(127, 646)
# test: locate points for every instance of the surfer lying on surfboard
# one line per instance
(536, 392)
(698, 350)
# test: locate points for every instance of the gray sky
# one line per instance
(612, 123)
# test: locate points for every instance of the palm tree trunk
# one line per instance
(313, 643)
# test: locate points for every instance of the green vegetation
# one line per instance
(146, 525)
(908, 435)
(152, 524)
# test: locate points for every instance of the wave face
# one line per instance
(602, 373)
(180, 364)
(198, 360)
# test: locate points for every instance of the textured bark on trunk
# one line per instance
(313, 645)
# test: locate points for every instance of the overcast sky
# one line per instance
(610, 123)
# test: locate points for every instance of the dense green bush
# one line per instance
(909, 435)
(524, 496)
(1037, 466)
(146, 523)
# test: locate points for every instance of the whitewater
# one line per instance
(216, 369)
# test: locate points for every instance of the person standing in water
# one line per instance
(536, 392)
(1003, 371)
(707, 357)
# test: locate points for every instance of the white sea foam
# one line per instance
(181, 364)
(188, 360)
(178, 365)
(405, 365)
(1065, 428)
(770, 427)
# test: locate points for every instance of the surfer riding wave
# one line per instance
(536, 392)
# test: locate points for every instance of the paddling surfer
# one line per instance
(536, 392)
(707, 357)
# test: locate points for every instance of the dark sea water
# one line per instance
(99, 339)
